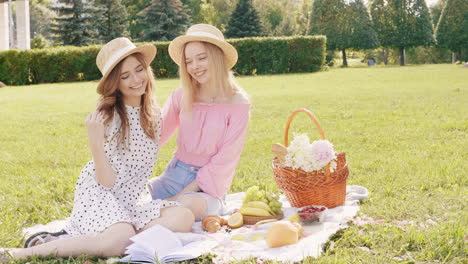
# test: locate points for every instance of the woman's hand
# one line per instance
(95, 126)
(105, 175)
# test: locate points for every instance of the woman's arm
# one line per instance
(192, 187)
(170, 116)
(216, 176)
(105, 175)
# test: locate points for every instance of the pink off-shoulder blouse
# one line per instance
(213, 139)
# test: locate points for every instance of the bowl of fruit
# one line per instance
(312, 213)
(259, 205)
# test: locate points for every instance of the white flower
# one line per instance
(310, 157)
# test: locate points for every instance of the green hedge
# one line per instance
(256, 56)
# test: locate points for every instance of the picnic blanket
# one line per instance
(316, 235)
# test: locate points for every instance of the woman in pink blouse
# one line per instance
(211, 113)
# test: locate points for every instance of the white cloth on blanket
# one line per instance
(227, 250)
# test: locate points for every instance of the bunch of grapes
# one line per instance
(273, 202)
(272, 199)
(255, 194)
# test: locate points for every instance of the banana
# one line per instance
(266, 221)
(258, 204)
(253, 211)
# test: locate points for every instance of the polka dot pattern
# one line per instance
(97, 207)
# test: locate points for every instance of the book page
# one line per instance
(191, 250)
(156, 241)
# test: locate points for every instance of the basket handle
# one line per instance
(316, 122)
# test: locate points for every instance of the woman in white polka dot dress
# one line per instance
(111, 200)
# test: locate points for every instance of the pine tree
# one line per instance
(75, 24)
(452, 29)
(113, 21)
(402, 24)
(134, 7)
(244, 21)
(164, 20)
(195, 10)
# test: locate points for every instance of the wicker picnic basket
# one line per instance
(311, 188)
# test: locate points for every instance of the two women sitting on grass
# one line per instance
(125, 133)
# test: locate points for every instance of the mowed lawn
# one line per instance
(404, 131)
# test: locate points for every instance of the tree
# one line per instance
(75, 24)
(452, 29)
(271, 13)
(326, 19)
(287, 27)
(278, 17)
(244, 21)
(134, 7)
(362, 35)
(347, 25)
(436, 11)
(41, 19)
(164, 20)
(113, 21)
(329, 18)
(195, 7)
(402, 24)
(303, 17)
(217, 12)
(39, 42)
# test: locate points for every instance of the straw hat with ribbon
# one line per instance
(118, 49)
(206, 33)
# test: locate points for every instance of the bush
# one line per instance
(39, 42)
(423, 55)
(256, 56)
(14, 67)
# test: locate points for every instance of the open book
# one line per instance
(160, 245)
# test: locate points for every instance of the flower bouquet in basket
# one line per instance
(310, 173)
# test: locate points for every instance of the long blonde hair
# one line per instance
(221, 77)
(111, 101)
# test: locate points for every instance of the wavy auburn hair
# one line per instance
(111, 101)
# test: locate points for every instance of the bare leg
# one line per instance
(195, 203)
(111, 242)
(175, 218)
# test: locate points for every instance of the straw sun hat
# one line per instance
(118, 49)
(206, 33)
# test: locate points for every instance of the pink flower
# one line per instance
(323, 150)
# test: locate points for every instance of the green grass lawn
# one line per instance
(404, 131)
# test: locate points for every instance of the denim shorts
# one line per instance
(177, 176)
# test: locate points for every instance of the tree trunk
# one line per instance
(454, 57)
(385, 55)
(458, 56)
(345, 61)
(402, 57)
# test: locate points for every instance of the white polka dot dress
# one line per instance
(97, 207)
